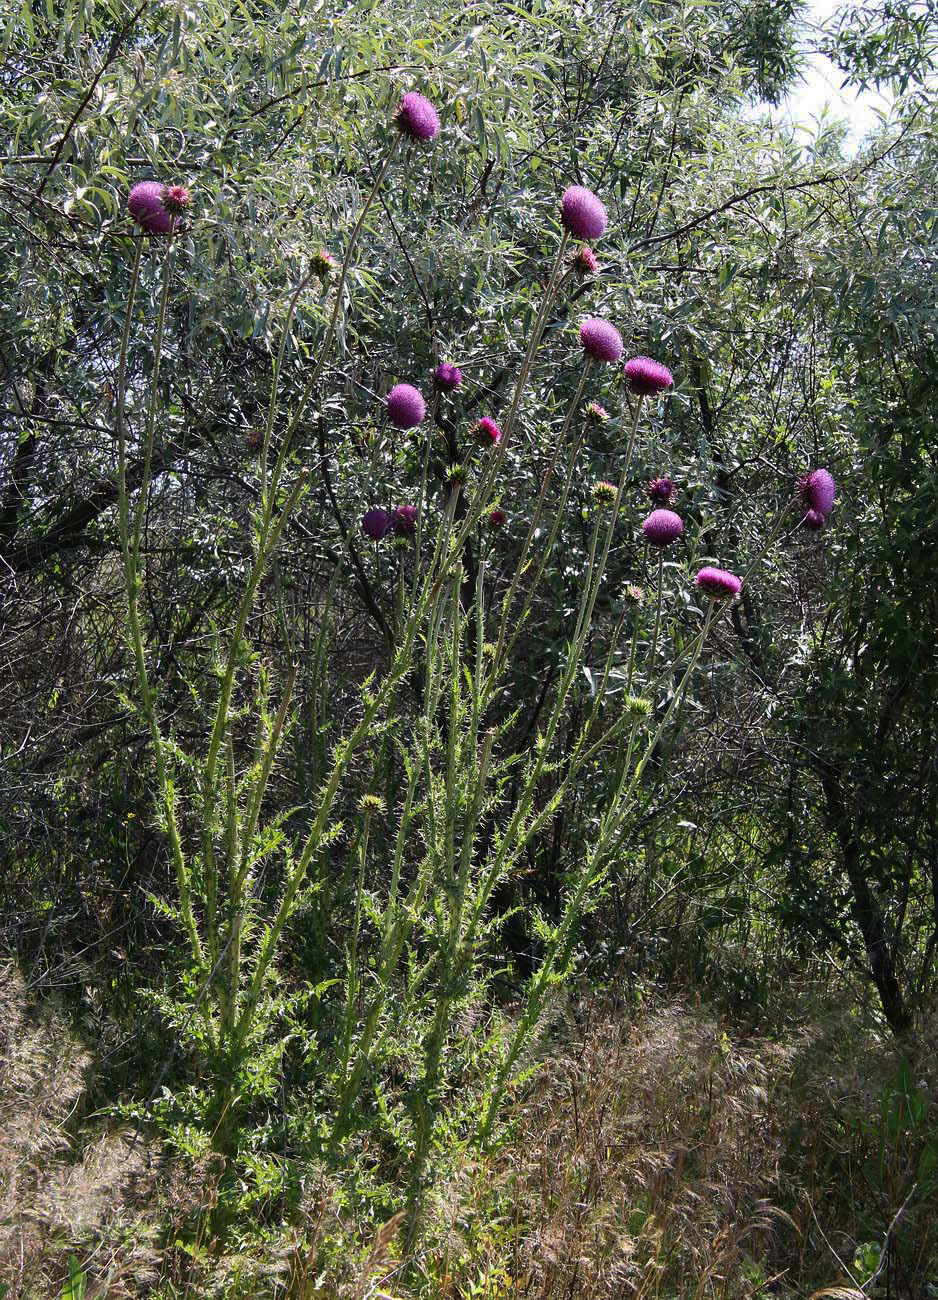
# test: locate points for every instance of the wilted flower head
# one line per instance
(636, 707)
(597, 414)
(661, 489)
(447, 376)
(815, 521)
(487, 433)
(417, 117)
(145, 204)
(497, 518)
(601, 339)
(633, 595)
(718, 583)
(584, 261)
(324, 264)
(406, 407)
(254, 439)
(662, 527)
(376, 523)
(404, 520)
(817, 490)
(605, 493)
(582, 213)
(647, 377)
(176, 199)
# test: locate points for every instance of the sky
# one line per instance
(821, 86)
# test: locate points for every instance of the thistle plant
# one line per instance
(468, 801)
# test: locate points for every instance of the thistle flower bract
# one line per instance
(487, 433)
(582, 213)
(647, 377)
(605, 493)
(633, 594)
(371, 803)
(447, 376)
(376, 523)
(176, 200)
(404, 520)
(662, 527)
(661, 489)
(815, 521)
(456, 474)
(817, 490)
(718, 583)
(601, 339)
(596, 414)
(324, 264)
(406, 407)
(497, 518)
(145, 204)
(417, 117)
(584, 261)
(636, 707)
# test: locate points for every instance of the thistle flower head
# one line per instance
(404, 520)
(596, 414)
(605, 493)
(646, 377)
(582, 213)
(662, 527)
(254, 439)
(370, 804)
(324, 264)
(447, 376)
(661, 489)
(487, 433)
(376, 523)
(636, 707)
(145, 205)
(176, 200)
(817, 491)
(497, 518)
(406, 407)
(416, 117)
(456, 474)
(584, 261)
(718, 583)
(633, 595)
(601, 339)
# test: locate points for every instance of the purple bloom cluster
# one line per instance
(497, 518)
(406, 407)
(145, 204)
(662, 527)
(647, 378)
(582, 213)
(817, 491)
(376, 523)
(718, 583)
(601, 339)
(584, 261)
(417, 117)
(487, 432)
(447, 376)
(661, 489)
(404, 520)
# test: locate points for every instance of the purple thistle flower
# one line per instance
(406, 407)
(176, 200)
(817, 490)
(404, 520)
(584, 261)
(661, 489)
(647, 377)
(597, 414)
(417, 117)
(376, 523)
(497, 518)
(145, 204)
(815, 521)
(601, 339)
(718, 583)
(582, 213)
(662, 527)
(487, 432)
(324, 264)
(447, 376)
